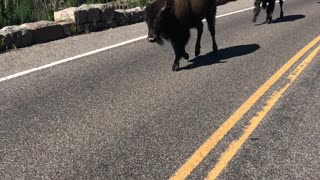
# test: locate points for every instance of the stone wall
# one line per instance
(74, 20)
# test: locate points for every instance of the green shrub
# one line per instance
(14, 12)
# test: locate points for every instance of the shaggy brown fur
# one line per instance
(172, 20)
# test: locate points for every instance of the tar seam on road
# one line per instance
(234, 147)
(6, 78)
(213, 140)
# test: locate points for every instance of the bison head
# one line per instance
(154, 18)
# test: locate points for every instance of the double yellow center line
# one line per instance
(234, 147)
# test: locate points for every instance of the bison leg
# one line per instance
(281, 5)
(211, 17)
(198, 46)
(179, 52)
(179, 43)
(256, 10)
(270, 9)
(185, 55)
(176, 64)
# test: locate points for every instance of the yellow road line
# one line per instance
(213, 140)
(234, 147)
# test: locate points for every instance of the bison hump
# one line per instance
(185, 10)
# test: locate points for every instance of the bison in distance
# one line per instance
(266, 4)
(173, 19)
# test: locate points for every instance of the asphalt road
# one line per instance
(123, 114)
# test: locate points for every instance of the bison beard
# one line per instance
(172, 20)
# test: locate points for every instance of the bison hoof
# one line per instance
(215, 51)
(186, 56)
(175, 67)
(197, 52)
(254, 19)
(269, 20)
(215, 48)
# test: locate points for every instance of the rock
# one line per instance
(69, 28)
(17, 36)
(121, 17)
(65, 15)
(94, 14)
(2, 43)
(107, 12)
(44, 31)
(98, 17)
(77, 15)
(129, 16)
(136, 15)
(92, 27)
(83, 28)
(87, 17)
(70, 21)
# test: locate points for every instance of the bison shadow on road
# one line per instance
(223, 54)
(285, 19)
(289, 18)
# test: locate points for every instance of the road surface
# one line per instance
(121, 113)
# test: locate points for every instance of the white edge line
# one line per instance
(93, 52)
(70, 59)
(228, 14)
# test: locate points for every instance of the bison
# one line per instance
(266, 4)
(173, 19)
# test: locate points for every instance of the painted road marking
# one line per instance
(213, 140)
(6, 78)
(70, 59)
(235, 12)
(234, 147)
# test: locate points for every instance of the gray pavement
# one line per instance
(122, 113)
(286, 145)
(41, 54)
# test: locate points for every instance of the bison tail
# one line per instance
(222, 2)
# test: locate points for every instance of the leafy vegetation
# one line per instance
(13, 12)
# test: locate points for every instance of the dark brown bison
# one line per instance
(266, 4)
(172, 20)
